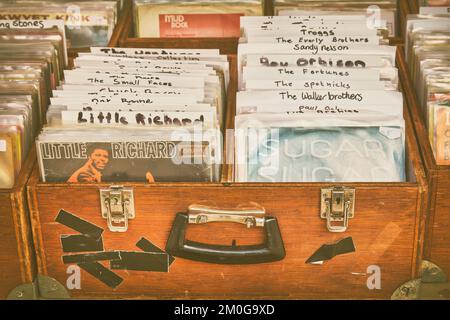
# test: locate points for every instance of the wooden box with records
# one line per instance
(183, 173)
(33, 54)
(426, 73)
(32, 59)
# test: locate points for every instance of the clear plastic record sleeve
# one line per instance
(113, 120)
(40, 25)
(32, 56)
(319, 149)
(427, 50)
(87, 23)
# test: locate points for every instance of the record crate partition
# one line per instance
(436, 247)
(17, 255)
(414, 6)
(388, 227)
(405, 7)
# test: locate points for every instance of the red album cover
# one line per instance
(212, 25)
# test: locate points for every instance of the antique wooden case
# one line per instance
(386, 227)
(436, 247)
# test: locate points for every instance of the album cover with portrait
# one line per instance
(130, 161)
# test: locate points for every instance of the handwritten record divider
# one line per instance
(225, 45)
(437, 237)
(17, 259)
(385, 235)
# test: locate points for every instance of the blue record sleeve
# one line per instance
(325, 154)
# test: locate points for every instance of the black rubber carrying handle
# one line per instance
(271, 250)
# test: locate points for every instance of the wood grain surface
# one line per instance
(383, 230)
(17, 256)
(10, 276)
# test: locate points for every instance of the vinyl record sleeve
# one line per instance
(319, 149)
(87, 23)
(168, 19)
(7, 163)
(130, 161)
(327, 155)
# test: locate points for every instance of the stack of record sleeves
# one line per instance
(318, 101)
(428, 56)
(32, 59)
(192, 18)
(88, 23)
(139, 115)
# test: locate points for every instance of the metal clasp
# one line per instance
(117, 205)
(337, 206)
(199, 214)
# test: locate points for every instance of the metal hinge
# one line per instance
(337, 206)
(43, 288)
(117, 205)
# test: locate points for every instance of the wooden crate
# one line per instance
(387, 230)
(437, 248)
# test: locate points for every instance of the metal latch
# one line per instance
(117, 204)
(337, 206)
(198, 214)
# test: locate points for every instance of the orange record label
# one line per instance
(211, 25)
